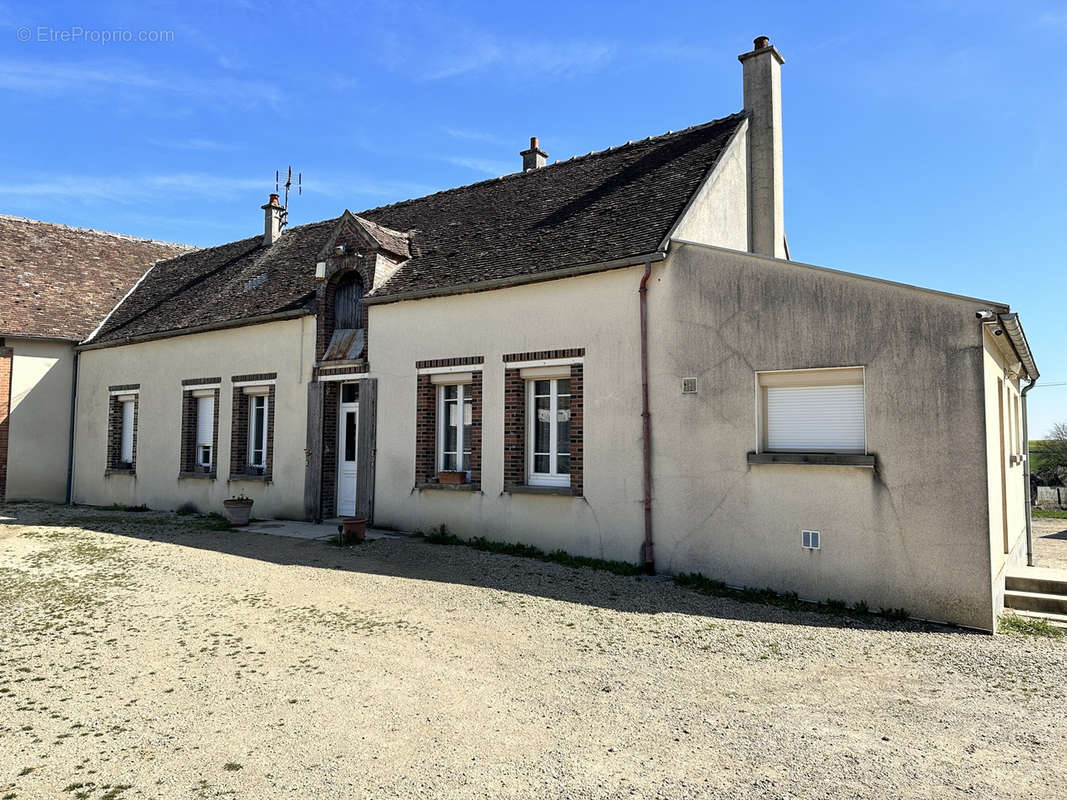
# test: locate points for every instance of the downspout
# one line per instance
(1026, 480)
(649, 564)
(73, 420)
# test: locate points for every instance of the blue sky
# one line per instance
(923, 141)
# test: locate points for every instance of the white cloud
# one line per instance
(480, 51)
(486, 165)
(45, 77)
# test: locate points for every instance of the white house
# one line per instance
(614, 355)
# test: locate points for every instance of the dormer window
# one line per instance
(348, 302)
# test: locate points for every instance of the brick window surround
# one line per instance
(239, 467)
(114, 427)
(426, 420)
(7, 358)
(515, 418)
(188, 466)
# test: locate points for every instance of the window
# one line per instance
(122, 427)
(348, 302)
(454, 418)
(812, 411)
(257, 431)
(126, 445)
(548, 404)
(205, 430)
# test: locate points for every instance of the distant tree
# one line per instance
(1051, 461)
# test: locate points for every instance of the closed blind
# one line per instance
(205, 420)
(126, 449)
(815, 418)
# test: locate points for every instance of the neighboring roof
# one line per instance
(59, 282)
(601, 207)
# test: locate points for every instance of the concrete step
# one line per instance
(1036, 601)
(1036, 579)
(1057, 620)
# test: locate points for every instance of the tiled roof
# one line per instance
(590, 209)
(60, 282)
(224, 284)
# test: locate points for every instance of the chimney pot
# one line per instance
(273, 220)
(760, 42)
(534, 157)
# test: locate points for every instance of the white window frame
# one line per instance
(553, 477)
(462, 396)
(807, 378)
(127, 421)
(209, 444)
(252, 443)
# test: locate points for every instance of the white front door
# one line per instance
(347, 425)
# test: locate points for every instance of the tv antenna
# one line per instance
(288, 185)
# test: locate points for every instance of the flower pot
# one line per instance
(353, 529)
(452, 478)
(238, 512)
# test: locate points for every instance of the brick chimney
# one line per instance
(762, 75)
(273, 220)
(534, 157)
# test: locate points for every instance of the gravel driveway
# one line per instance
(1050, 543)
(141, 656)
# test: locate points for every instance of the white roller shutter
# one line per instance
(126, 450)
(815, 418)
(205, 420)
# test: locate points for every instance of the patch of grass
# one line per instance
(187, 508)
(750, 594)
(212, 522)
(1049, 513)
(441, 535)
(1014, 625)
(121, 507)
(231, 766)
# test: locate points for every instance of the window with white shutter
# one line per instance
(205, 429)
(126, 447)
(812, 411)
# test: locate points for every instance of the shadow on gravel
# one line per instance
(414, 559)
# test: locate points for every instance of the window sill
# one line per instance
(450, 487)
(119, 471)
(205, 476)
(252, 478)
(559, 491)
(813, 459)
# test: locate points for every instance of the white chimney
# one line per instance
(762, 74)
(534, 157)
(273, 220)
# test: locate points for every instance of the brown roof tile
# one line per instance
(591, 209)
(60, 282)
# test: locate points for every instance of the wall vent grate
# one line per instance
(689, 385)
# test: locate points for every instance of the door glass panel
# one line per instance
(348, 392)
(350, 436)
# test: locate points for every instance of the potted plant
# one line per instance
(353, 529)
(452, 477)
(238, 510)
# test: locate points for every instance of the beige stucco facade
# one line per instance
(39, 425)
(1005, 452)
(908, 533)
(286, 348)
